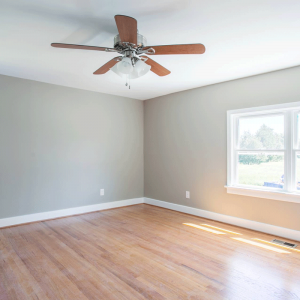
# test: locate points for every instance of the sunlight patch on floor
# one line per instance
(229, 231)
(204, 228)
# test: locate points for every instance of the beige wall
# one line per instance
(59, 146)
(185, 146)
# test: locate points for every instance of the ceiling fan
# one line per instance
(132, 46)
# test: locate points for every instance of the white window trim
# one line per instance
(288, 194)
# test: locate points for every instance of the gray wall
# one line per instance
(59, 146)
(185, 146)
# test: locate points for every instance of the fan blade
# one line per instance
(83, 47)
(177, 49)
(106, 67)
(127, 28)
(156, 67)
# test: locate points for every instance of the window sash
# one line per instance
(236, 155)
(256, 115)
(290, 150)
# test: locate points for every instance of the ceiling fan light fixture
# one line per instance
(139, 66)
(140, 69)
(132, 75)
(115, 69)
(145, 70)
(125, 66)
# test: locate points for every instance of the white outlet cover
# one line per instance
(101, 192)
(187, 194)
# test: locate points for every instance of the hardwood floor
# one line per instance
(142, 252)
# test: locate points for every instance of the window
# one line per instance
(264, 152)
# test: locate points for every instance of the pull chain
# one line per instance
(127, 81)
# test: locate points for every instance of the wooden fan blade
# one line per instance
(156, 67)
(106, 67)
(177, 49)
(127, 28)
(83, 47)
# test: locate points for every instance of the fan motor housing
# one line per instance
(141, 40)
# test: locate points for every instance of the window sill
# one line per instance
(267, 194)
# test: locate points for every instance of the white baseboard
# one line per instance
(67, 212)
(267, 228)
(263, 227)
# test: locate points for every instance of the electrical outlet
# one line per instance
(102, 192)
(187, 194)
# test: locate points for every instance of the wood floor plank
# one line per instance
(19, 270)
(113, 288)
(142, 263)
(101, 258)
(141, 252)
(52, 281)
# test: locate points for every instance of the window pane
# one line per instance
(261, 133)
(261, 169)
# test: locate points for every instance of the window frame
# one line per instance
(289, 191)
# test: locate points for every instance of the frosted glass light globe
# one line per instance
(134, 74)
(145, 70)
(139, 66)
(115, 69)
(125, 66)
(139, 70)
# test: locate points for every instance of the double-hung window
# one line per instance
(263, 146)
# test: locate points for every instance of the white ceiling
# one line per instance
(242, 38)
